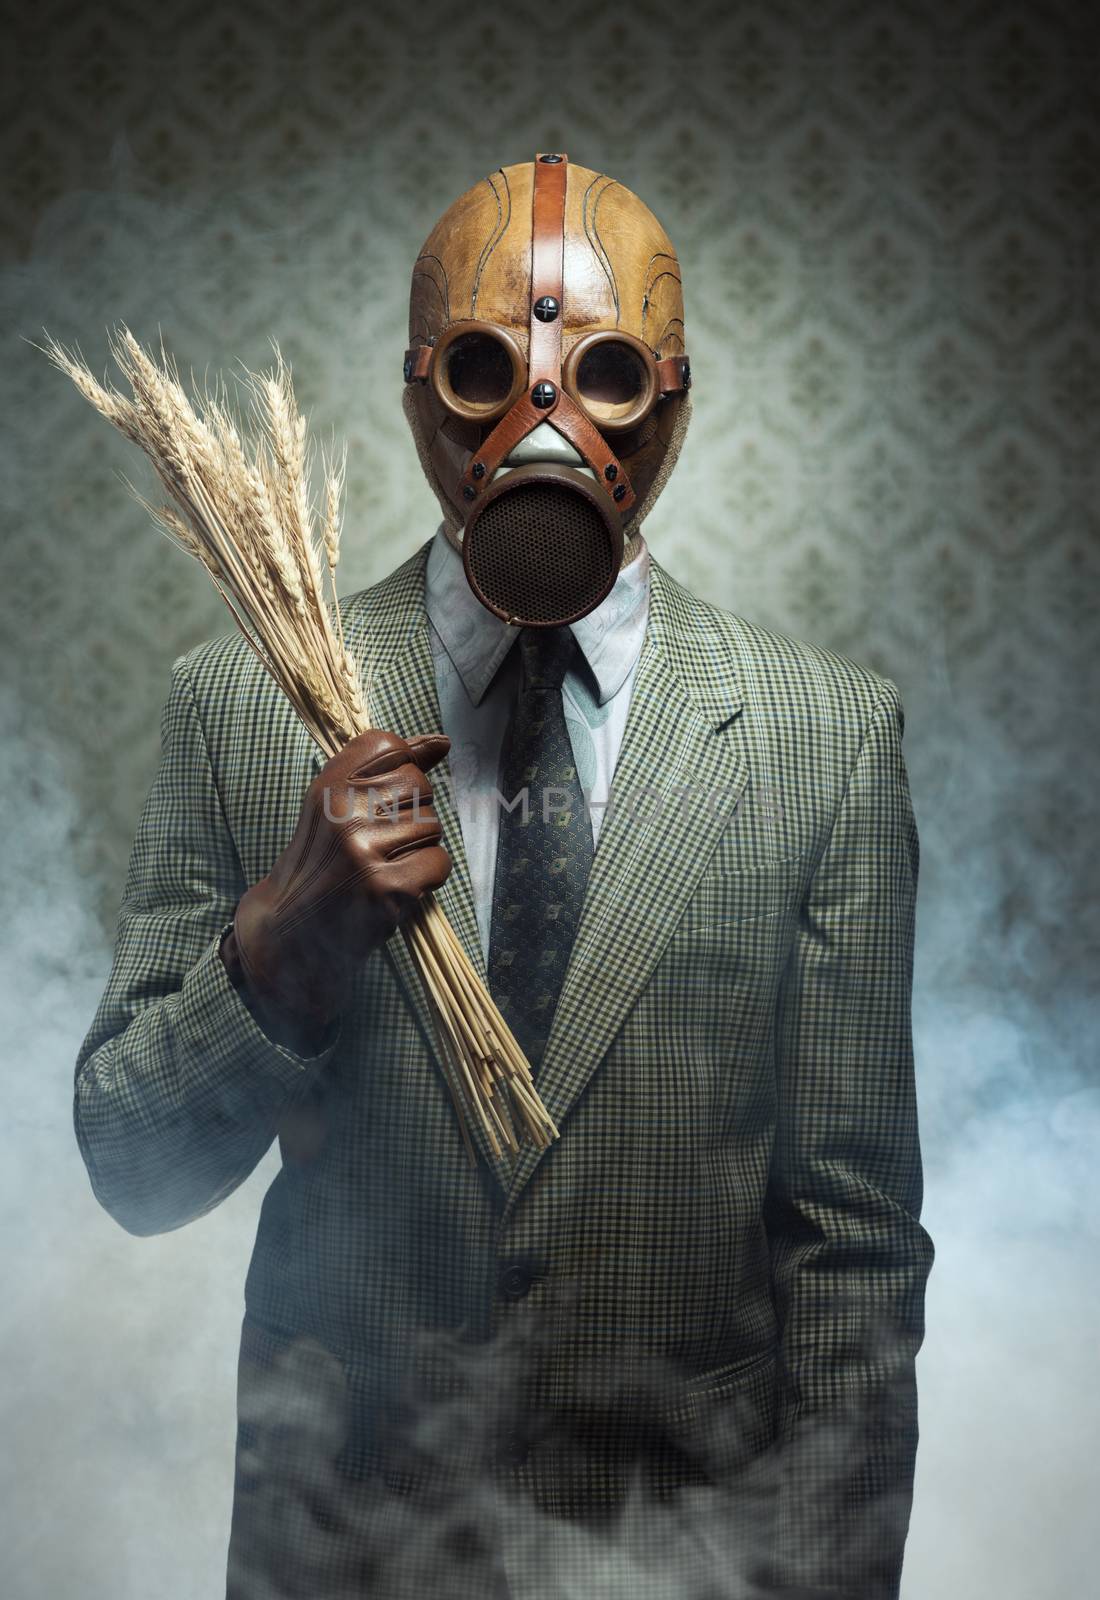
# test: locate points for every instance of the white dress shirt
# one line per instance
(476, 694)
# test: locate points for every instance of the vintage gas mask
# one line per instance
(546, 381)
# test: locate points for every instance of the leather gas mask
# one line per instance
(547, 381)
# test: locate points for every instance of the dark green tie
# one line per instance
(544, 849)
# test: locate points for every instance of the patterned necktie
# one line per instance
(544, 848)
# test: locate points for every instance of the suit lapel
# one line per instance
(648, 861)
(387, 633)
(654, 842)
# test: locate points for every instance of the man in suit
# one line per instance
(678, 1345)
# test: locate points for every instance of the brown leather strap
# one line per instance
(674, 373)
(570, 421)
(584, 436)
(418, 363)
(515, 425)
(547, 267)
(544, 356)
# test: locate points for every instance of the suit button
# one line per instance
(515, 1280)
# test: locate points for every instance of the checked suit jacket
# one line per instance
(711, 1285)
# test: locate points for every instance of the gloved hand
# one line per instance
(365, 849)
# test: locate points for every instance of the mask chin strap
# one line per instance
(545, 401)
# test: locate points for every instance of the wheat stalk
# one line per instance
(241, 506)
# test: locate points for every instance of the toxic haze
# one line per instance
(887, 227)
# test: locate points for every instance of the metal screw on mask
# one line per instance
(453, 521)
(537, 466)
(541, 545)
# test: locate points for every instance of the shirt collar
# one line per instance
(610, 637)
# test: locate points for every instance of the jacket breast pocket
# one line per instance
(744, 907)
(715, 987)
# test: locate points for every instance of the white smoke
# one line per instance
(119, 1410)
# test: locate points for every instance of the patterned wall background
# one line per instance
(884, 223)
(886, 217)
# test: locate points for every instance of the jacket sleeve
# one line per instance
(178, 1091)
(849, 1257)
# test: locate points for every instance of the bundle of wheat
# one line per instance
(242, 507)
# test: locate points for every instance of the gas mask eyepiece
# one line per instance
(543, 526)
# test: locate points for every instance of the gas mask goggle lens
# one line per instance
(543, 542)
(479, 371)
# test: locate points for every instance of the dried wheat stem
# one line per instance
(242, 508)
(434, 986)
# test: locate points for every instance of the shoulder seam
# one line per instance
(883, 700)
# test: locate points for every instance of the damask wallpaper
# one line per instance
(886, 217)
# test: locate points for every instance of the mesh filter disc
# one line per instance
(540, 554)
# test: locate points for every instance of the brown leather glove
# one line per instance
(365, 849)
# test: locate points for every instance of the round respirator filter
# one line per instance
(542, 548)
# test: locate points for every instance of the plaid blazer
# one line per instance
(684, 1336)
